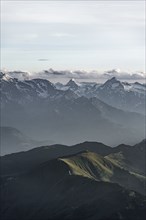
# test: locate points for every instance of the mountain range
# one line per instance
(75, 182)
(112, 113)
(119, 94)
(13, 140)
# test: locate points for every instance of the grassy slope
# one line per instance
(99, 168)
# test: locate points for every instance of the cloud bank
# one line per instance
(51, 74)
(16, 74)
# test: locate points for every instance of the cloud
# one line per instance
(17, 74)
(42, 59)
(91, 75)
(53, 72)
(124, 75)
(59, 75)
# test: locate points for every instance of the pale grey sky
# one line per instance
(89, 35)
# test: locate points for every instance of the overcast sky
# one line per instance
(89, 35)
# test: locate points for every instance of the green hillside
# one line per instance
(107, 169)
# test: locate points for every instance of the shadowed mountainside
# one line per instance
(52, 191)
(129, 157)
(78, 182)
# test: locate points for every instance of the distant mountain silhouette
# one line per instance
(13, 140)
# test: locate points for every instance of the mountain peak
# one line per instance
(1, 75)
(72, 83)
(113, 79)
(4, 76)
(72, 80)
(113, 83)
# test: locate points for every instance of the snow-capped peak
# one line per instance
(72, 83)
(4, 76)
(113, 83)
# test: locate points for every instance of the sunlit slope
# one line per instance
(91, 165)
(94, 166)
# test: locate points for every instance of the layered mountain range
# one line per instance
(123, 95)
(13, 140)
(112, 113)
(102, 180)
(119, 94)
(88, 181)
